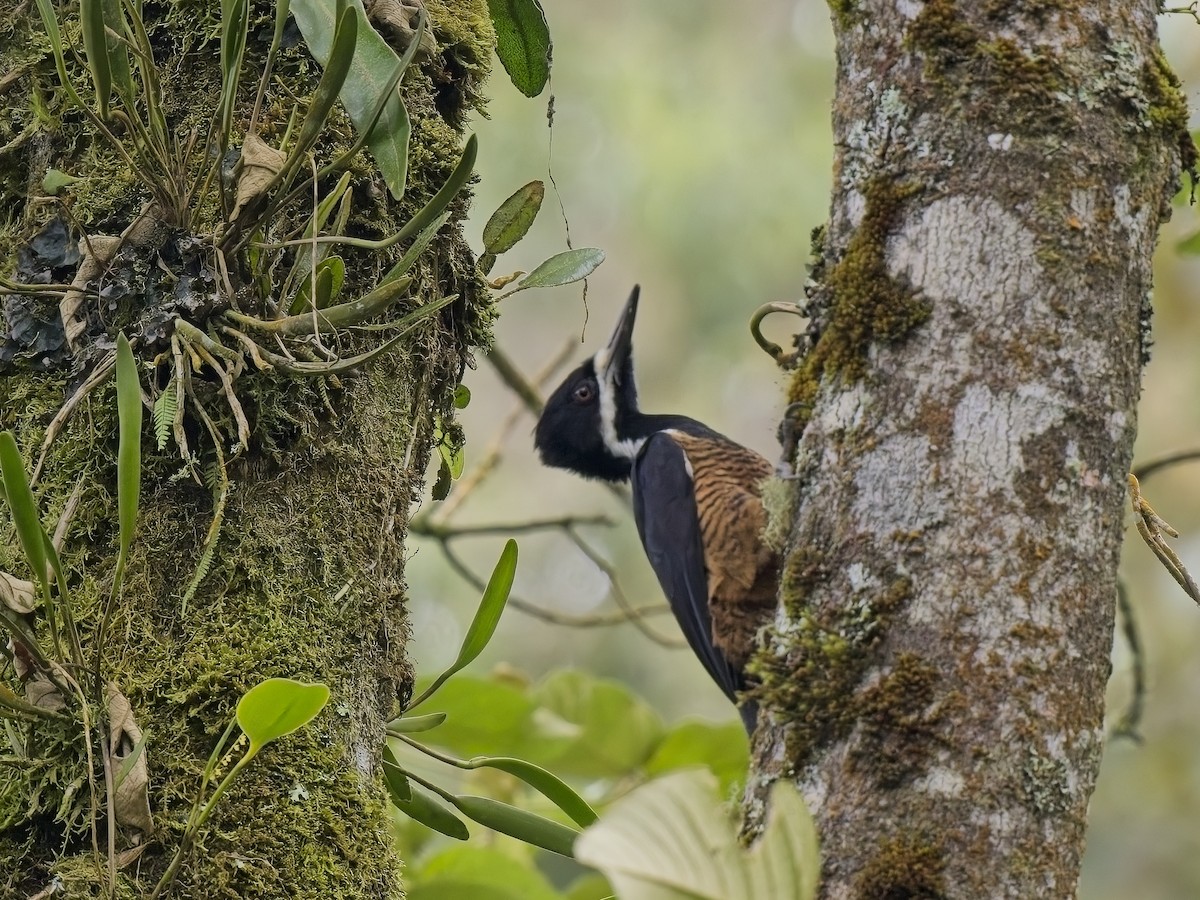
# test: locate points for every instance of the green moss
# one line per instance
(996, 76)
(845, 13)
(810, 674)
(898, 716)
(906, 866)
(868, 306)
(1168, 108)
(779, 498)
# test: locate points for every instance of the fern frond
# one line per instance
(164, 415)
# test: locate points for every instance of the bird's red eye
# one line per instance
(584, 393)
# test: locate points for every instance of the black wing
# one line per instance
(664, 507)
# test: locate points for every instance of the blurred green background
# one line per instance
(692, 143)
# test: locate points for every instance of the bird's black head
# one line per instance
(589, 423)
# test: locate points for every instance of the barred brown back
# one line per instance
(742, 572)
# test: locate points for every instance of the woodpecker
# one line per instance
(696, 501)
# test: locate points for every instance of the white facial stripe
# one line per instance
(606, 384)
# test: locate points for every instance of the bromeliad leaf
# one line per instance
(513, 219)
(522, 43)
(372, 69)
(562, 268)
(483, 626)
(277, 707)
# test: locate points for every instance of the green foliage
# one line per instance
(267, 712)
(129, 452)
(522, 43)
(21, 504)
(562, 268)
(595, 731)
(672, 840)
(721, 748)
(480, 873)
(497, 815)
(277, 707)
(371, 71)
(512, 220)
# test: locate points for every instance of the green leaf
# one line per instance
(422, 808)
(330, 275)
(235, 18)
(129, 451)
(616, 731)
(333, 79)
(55, 180)
(483, 716)
(277, 707)
(415, 724)
(453, 458)
(441, 487)
(522, 43)
(724, 749)
(483, 626)
(562, 268)
(469, 872)
(163, 414)
(548, 785)
(671, 839)
(592, 886)
(519, 823)
(430, 217)
(462, 396)
(513, 219)
(398, 786)
(371, 70)
(95, 48)
(1190, 245)
(24, 509)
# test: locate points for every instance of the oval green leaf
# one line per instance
(55, 180)
(562, 268)
(519, 823)
(548, 785)
(399, 790)
(522, 43)
(371, 71)
(462, 396)
(513, 219)
(421, 807)
(277, 707)
(415, 724)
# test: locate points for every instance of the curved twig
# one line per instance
(786, 360)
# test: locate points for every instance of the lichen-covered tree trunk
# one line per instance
(963, 427)
(305, 578)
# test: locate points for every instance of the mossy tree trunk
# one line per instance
(306, 580)
(965, 421)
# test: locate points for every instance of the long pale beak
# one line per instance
(613, 357)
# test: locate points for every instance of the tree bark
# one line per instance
(964, 422)
(307, 577)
